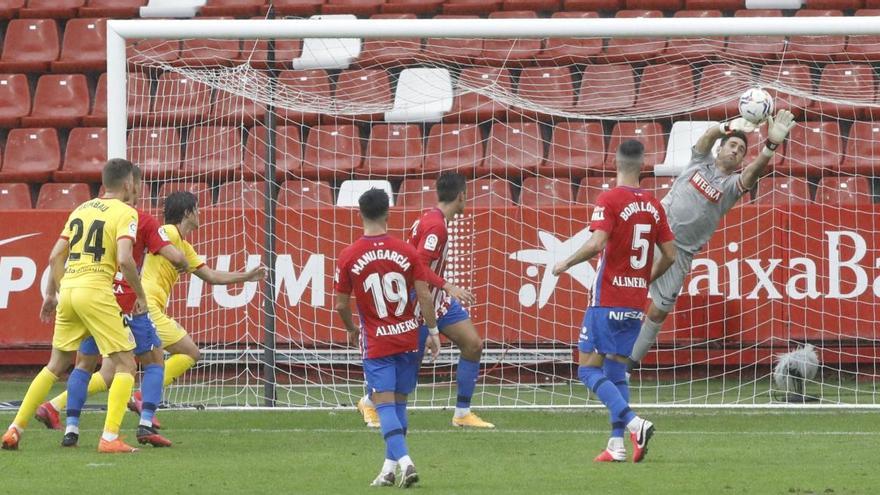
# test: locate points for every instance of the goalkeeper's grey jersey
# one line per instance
(699, 197)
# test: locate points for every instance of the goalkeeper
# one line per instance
(707, 189)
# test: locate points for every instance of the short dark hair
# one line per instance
(631, 148)
(116, 171)
(449, 186)
(178, 205)
(736, 134)
(374, 204)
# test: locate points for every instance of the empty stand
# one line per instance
(85, 155)
(179, 101)
(863, 149)
(854, 82)
(356, 7)
(393, 150)
(332, 151)
(812, 149)
(715, 4)
(537, 5)
(213, 153)
(862, 47)
(796, 76)
(816, 48)
(654, 4)
(575, 149)
(112, 8)
(31, 155)
(665, 87)
(233, 109)
(844, 191)
(204, 194)
(514, 148)
(156, 150)
(591, 187)
(297, 7)
(694, 49)
(139, 90)
(541, 192)
(256, 52)
(722, 79)
(15, 99)
(606, 90)
(549, 87)
(84, 47)
(474, 107)
(30, 45)
(471, 7)
(208, 52)
(581, 5)
(63, 9)
(10, 8)
(648, 133)
(457, 147)
(240, 194)
(311, 86)
(288, 153)
(238, 8)
(412, 6)
(454, 50)
(151, 51)
(634, 49)
(59, 101)
(489, 193)
(782, 191)
(301, 194)
(57, 196)
(759, 48)
(383, 53)
(417, 194)
(511, 52)
(15, 197)
(359, 89)
(564, 51)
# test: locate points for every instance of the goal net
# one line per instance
(277, 138)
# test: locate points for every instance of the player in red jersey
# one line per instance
(627, 224)
(382, 273)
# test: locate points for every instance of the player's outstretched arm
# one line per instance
(712, 134)
(177, 258)
(591, 248)
(666, 259)
(128, 267)
(426, 306)
(777, 130)
(343, 308)
(56, 271)
(224, 278)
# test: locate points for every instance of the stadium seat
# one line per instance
(471, 7)
(314, 88)
(816, 48)
(62, 9)
(60, 101)
(715, 4)
(812, 149)
(454, 50)
(634, 49)
(201, 52)
(357, 7)
(84, 47)
(15, 99)
(756, 143)
(653, 4)
(387, 54)
(57, 196)
(695, 49)
(332, 151)
(85, 155)
(156, 150)
(10, 8)
(510, 52)
(762, 49)
(591, 187)
(139, 97)
(665, 88)
(536, 5)
(862, 149)
(648, 133)
(213, 153)
(658, 186)
(351, 190)
(564, 51)
(541, 192)
(796, 76)
(514, 148)
(361, 88)
(575, 149)
(30, 45)
(474, 107)
(489, 193)
(119, 9)
(854, 82)
(457, 147)
(844, 191)
(420, 7)
(233, 109)
(782, 191)
(606, 90)
(179, 101)
(549, 87)
(587, 5)
(297, 7)
(418, 194)
(237, 8)
(15, 196)
(300, 194)
(31, 155)
(203, 192)
(240, 194)
(288, 153)
(834, 4)
(722, 80)
(256, 52)
(393, 150)
(862, 48)
(152, 51)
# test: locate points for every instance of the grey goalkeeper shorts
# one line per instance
(664, 291)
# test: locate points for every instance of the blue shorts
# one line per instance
(610, 330)
(396, 373)
(454, 314)
(145, 336)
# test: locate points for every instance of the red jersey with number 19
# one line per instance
(380, 271)
(635, 222)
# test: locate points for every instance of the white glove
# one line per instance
(778, 128)
(737, 124)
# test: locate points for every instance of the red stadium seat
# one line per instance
(56, 196)
(454, 50)
(63, 9)
(31, 155)
(180, 100)
(394, 150)
(634, 49)
(536, 5)
(313, 85)
(15, 99)
(239, 194)
(256, 52)
(563, 51)
(474, 107)
(854, 82)
(60, 101)
(514, 148)
(84, 47)
(300, 194)
(714, 4)
(383, 53)
(591, 187)
(844, 191)
(861, 48)
(722, 79)
(471, 7)
(665, 88)
(657, 186)
(695, 49)
(208, 52)
(362, 88)
(297, 7)
(796, 76)
(10, 8)
(112, 8)
(648, 133)
(606, 89)
(85, 155)
(156, 150)
(511, 52)
(575, 149)
(139, 88)
(15, 197)
(417, 194)
(489, 193)
(30, 45)
(816, 48)
(759, 48)
(550, 87)
(288, 153)
(204, 195)
(653, 4)
(812, 149)
(541, 192)
(237, 8)
(356, 7)
(863, 149)
(586, 5)
(756, 144)
(834, 4)
(213, 153)
(232, 109)
(332, 151)
(457, 147)
(420, 7)
(152, 51)
(783, 191)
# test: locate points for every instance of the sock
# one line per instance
(392, 432)
(596, 381)
(151, 389)
(466, 376)
(616, 372)
(389, 466)
(77, 391)
(647, 337)
(616, 444)
(400, 409)
(120, 392)
(35, 396)
(177, 365)
(71, 429)
(405, 462)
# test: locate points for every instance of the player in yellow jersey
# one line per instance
(96, 239)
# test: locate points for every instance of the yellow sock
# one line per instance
(96, 384)
(120, 392)
(35, 396)
(177, 365)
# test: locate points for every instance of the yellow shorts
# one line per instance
(84, 311)
(170, 332)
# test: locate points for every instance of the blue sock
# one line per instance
(466, 376)
(400, 409)
(392, 431)
(77, 391)
(616, 372)
(151, 389)
(596, 381)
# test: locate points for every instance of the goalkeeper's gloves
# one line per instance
(737, 124)
(777, 130)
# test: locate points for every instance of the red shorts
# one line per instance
(125, 299)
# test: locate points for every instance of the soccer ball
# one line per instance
(755, 105)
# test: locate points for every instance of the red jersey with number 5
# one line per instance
(635, 222)
(380, 271)
(148, 239)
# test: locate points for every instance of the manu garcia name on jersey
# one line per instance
(397, 328)
(639, 207)
(637, 282)
(380, 254)
(705, 188)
